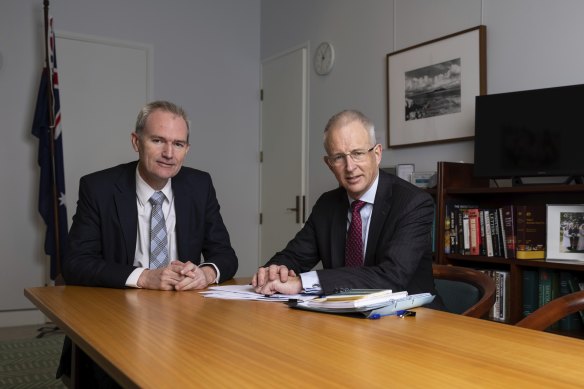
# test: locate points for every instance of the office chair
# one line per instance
(557, 309)
(464, 291)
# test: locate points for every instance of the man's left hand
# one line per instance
(293, 285)
(195, 277)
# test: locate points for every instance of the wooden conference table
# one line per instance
(155, 339)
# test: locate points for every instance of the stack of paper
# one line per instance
(379, 303)
(343, 301)
(351, 302)
(247, 292)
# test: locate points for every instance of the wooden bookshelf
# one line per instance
(456, 184)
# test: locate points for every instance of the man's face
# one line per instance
(161, 147)
(355, 177)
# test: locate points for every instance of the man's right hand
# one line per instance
(271, 273)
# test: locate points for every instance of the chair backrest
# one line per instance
(463, 290)
(557, 309)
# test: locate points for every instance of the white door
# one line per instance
(284, 154)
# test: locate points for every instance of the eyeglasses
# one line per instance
(356, 155)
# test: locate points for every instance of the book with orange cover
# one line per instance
(474, 231)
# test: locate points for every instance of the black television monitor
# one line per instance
(532, 133)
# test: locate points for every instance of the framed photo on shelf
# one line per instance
(422, 179)
(565, 232)
(405, 171)
(431, 89)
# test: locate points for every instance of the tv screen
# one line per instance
(530, 133)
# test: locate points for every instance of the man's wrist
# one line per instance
(141, 283)
(210, 275)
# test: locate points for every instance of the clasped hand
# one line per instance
(276, 279)
(177, 276)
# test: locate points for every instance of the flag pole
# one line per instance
(55, 196)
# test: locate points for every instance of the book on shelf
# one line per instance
(449, 231)
(567, 285)
(452, 234)
(508, 222)
(474, 231)
(465, 232)
(493, 217)
(482, 241)
(446, 230)
(530, 291)
(502, 234)
(531, 231)
(500, 311)
(488, 233)
(549, 289)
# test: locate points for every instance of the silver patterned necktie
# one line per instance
(158, 237)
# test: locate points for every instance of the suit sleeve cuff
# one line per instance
(311, 282)
(132, 281)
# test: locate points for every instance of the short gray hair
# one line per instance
(161, 105)
(345, 117)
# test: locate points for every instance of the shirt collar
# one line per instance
(369, 196)
(145, 191)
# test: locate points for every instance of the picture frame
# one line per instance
(565, 232)
(423, 179)
(405, 171)
(431, 89)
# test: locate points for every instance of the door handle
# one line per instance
(297, 209)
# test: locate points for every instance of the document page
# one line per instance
(246, 292)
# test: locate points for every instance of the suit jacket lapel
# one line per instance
(378, 216)
(182, 203)
(125, 200)
(339, 230)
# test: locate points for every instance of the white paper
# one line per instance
(247, 292)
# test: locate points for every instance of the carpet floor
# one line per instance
(31, 362)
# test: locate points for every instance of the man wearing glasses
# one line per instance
(374, 231)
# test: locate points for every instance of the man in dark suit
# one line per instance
(396, 225)
(110, 238)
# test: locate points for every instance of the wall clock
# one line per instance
(324, 58)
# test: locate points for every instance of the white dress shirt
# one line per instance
(142, 254)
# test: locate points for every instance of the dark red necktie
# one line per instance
(354, 246)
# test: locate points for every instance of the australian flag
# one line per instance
(47, 127)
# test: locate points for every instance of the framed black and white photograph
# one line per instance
(431, 89)
(565, 232)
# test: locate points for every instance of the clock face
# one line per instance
(324, 58)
